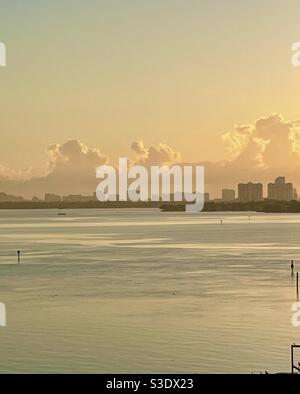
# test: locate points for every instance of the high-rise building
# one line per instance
(250, 192)
(280, 190)
(295, 194)
(228, 195)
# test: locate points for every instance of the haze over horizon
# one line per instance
(159, 82)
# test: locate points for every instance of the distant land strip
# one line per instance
(266, 206)
(77, 204)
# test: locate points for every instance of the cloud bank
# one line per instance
(161, 155)
(70, 170)
(260, 151)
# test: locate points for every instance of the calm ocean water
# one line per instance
(145, 291)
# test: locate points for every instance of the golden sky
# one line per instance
(175, 72)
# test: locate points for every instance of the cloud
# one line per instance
(71, 169)
(237, 139)
(139, 148)
(271, 142)
(19, 175)
(161, 155)
(73, 158)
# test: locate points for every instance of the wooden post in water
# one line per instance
(19, 257)
(292, 267)
(292, 359)
(297, 284)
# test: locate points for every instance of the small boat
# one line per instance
(61, 214)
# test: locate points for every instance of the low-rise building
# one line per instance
(228, 195)
(50, 197)
(8, 198)
(78, 198)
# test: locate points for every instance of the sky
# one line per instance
(97, 78)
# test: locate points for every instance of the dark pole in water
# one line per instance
(297, 284)
(18, 253)
(292, 267)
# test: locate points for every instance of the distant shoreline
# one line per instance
(266, 206)
(76, 205)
